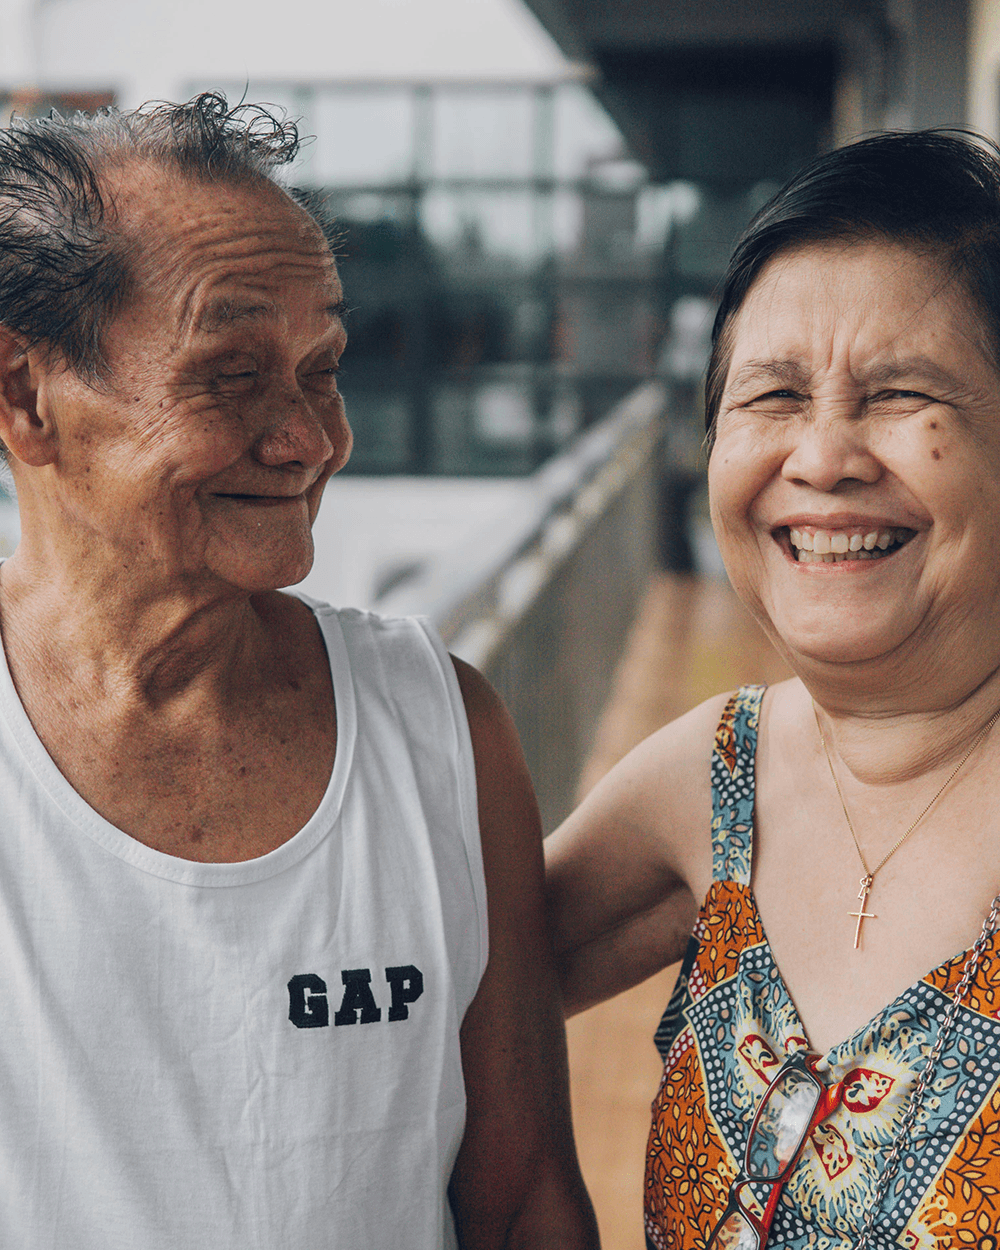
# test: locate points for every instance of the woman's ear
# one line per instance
(26, 424)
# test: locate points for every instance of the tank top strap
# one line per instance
(733, 786)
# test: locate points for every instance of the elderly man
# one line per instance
(247, 841)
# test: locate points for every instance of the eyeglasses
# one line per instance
(793, 1104)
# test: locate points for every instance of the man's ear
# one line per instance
(26, 424)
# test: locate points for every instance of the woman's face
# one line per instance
(855, 479)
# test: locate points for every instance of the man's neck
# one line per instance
(90, 630)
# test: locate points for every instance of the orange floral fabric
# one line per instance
(731, 1023)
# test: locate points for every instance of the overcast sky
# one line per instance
(149, 47)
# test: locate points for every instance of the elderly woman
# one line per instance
(247, 841)
(821, 1086)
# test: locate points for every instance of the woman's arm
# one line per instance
(624, 871)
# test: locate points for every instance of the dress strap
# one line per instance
(733, 786)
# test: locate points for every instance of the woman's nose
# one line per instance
(830, 451)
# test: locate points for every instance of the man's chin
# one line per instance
(260, 572)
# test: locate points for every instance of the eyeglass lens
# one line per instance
(735, 1233)
(784, 1118)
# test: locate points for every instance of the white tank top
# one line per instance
(251, 1056)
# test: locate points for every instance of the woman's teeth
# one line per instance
(834, 546)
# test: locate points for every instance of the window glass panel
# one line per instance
(473, 225)
(483, 134)
(584, 133)
(568, 222)
(362, 137)
(654, 215)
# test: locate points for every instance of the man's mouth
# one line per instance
(262, 501)
(818, 546)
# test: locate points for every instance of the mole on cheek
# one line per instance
(935, 453)
(933, 425)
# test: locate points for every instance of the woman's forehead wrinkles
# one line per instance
(785, 371)
(877, 373)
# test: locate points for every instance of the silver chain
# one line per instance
(927, 1073)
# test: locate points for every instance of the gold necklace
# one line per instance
(868, 880)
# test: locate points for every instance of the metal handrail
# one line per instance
(476, 591)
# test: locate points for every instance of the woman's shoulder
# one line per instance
(626, 869)
(669, 777)
(664, 785)
(656, 801)
(681, 750)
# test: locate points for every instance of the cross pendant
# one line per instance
(862, 915)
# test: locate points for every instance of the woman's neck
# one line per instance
(901, 734)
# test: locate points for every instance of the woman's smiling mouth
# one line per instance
(810, 545)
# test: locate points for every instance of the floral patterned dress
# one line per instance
(731, 1022)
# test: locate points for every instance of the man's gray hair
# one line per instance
(64, 269)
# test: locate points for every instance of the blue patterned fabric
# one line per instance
(730, 1024)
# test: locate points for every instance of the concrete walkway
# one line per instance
(692, 639)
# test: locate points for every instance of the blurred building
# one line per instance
(519, 211)
(734, 97)
(499, 251)
(497, 245)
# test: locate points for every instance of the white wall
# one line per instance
(145, 49)
(17, 51)
(984, 66)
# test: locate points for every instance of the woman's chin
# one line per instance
(862, 647)
(834, 637)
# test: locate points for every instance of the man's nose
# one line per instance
(831, 449)
(297, 434)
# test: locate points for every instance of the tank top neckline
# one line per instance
(196, 872)
(742, 752)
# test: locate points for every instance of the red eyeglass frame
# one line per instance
(830, 1098)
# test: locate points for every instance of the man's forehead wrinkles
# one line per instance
(223, 312)
(213, 259)
(214, 294)
(228, 239)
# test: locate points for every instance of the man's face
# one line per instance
(205, 455)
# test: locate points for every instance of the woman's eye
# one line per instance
(901, 397)
(776, 398)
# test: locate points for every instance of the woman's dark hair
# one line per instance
(64, 268)
(937, 191)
